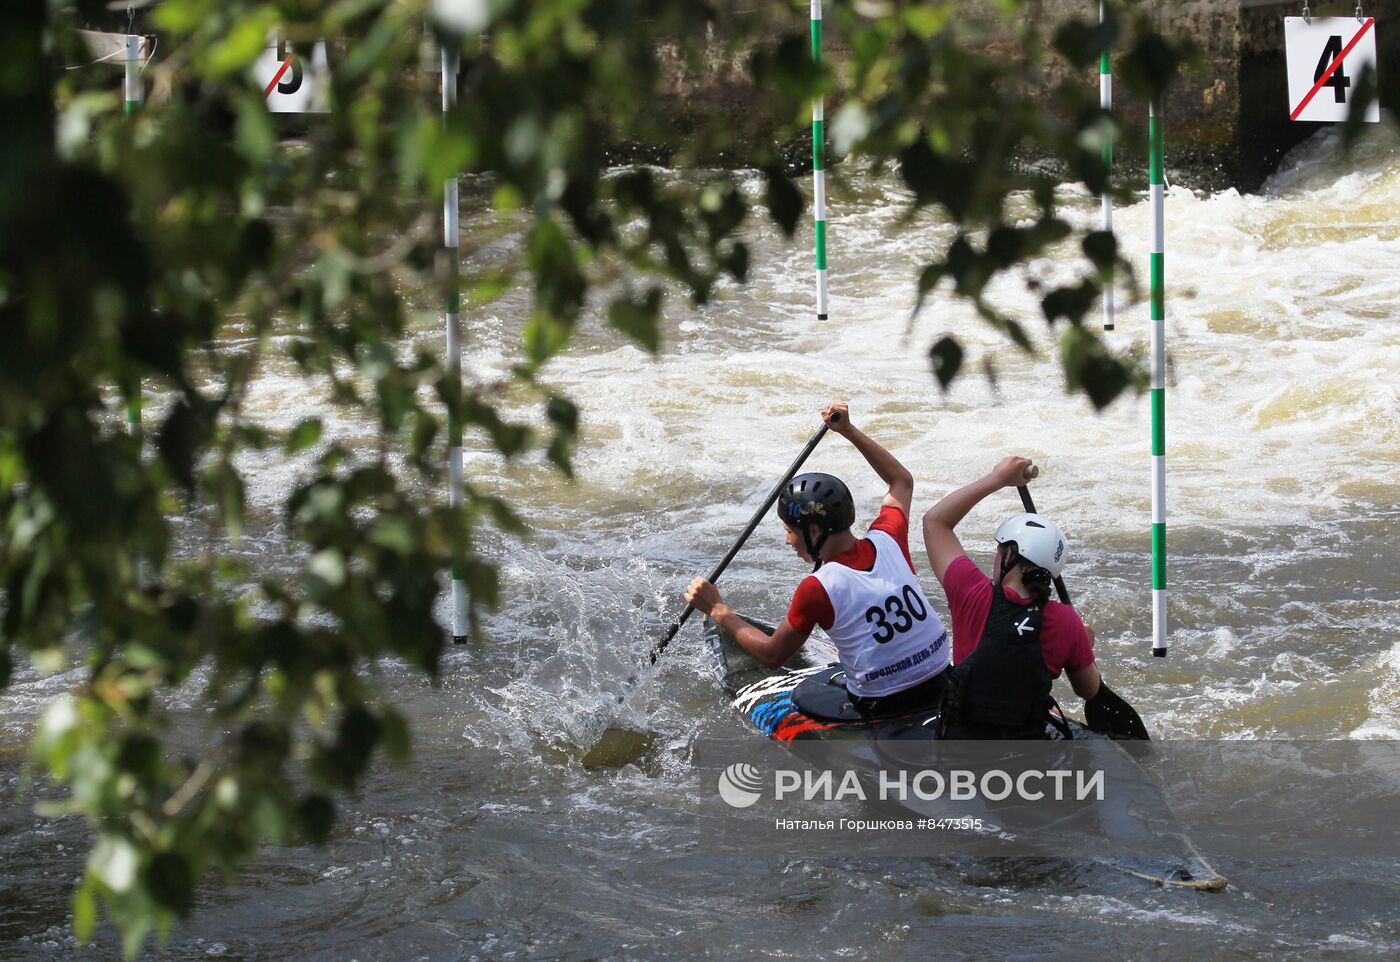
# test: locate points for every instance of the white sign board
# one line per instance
(290, 84)
(1325, 60)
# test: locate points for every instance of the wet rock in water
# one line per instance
(618, 747)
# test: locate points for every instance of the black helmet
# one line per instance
(816, 499)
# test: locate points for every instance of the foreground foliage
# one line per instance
(128, 248)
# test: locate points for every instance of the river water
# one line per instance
(507, 838)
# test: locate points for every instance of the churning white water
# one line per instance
(1282, 438)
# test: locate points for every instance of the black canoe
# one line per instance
(773, 702)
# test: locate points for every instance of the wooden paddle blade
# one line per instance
(1108, 714)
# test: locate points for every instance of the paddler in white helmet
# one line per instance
(1010, 640)
(863, 592)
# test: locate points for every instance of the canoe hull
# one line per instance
(764, 697)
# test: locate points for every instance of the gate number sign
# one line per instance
(1326, 58)
(291, 85)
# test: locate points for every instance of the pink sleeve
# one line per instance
(1071, 646)
(969, 594)
(963, 582)
(810, 606)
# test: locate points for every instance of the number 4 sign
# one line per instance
(1326, 57)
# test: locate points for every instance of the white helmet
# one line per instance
(1037, 540)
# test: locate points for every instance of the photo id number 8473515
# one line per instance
(949, 824)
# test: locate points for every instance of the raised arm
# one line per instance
(886, 465)
(940, 540)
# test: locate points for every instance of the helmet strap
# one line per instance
(814, 547)
(1007, 565)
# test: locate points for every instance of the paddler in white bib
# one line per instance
(862, 591)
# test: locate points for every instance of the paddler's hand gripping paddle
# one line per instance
(752, 525)
(1106, 713)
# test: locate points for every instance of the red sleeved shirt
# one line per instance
(811, 606)
(1064, 641)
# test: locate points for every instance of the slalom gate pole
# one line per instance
(132, 99)
(452, 322)
(819, 166)
(1155, 178)
(1106, 202)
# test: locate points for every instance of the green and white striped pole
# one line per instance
(452, 321)
(819, 166)
(1159, 381)
(1106, 102)
(132, 96)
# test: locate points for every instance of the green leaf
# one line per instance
(398, 737)
(177, 442)
(1150, 65)
(328, 566)
(925, 20)
(488, 287)
(1081, 43)
(1366, 92)
(256, 136)
(637, 318)
(171, 882)
(1101, 247)
(134, 930)
(928, 281)
(115, 862)
(316, 817)
(306, 434)
(509, 439)
(393, 534)
(559, 285)
(545, 336)
(139, 754)
(84, 911)
(736, 262)
(784, 201)
(223, 487)
(560, 454)
(243, 43)
(444, 152)
(850, 127)
(946, 358)
(1069, 302)
(563, 412)
(60, 733)
(1090, 368)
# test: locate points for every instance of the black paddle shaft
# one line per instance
(1106, 713)
(1029, 505)
(752, 525)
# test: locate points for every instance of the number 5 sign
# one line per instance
(290, 85)
(1326, 57)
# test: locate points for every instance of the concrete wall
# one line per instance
(1229, 126)
(1226, 124)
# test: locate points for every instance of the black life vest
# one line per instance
(1002, 689)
